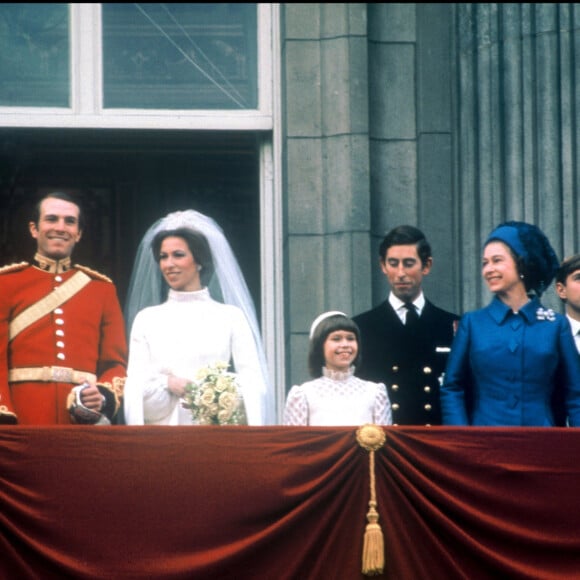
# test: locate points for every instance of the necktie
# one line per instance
(412, 317)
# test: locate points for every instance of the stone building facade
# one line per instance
(451, 117)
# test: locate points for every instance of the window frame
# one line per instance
(86, 88)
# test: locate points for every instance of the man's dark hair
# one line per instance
(63, 196)
(567, 267)
(197, 244)
(404, 236)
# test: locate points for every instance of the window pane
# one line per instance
(180, 56)
(34, 55)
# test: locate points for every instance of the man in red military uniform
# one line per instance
(63, 349)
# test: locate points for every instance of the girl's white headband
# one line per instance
(324, 315)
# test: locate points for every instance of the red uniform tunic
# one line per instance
(86, 333)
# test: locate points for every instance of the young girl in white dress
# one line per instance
(336, 397)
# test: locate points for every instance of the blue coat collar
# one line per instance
(500, 311)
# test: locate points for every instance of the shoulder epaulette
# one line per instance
(93, 273)
(13, 267)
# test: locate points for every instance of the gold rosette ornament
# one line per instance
(372, 437)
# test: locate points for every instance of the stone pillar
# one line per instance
(324, 54)
(411, 134)
(517, 128)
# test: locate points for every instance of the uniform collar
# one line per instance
(50, 265)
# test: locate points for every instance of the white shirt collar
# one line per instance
(399, 306)
(575, 324)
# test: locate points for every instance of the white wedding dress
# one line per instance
(188, 331)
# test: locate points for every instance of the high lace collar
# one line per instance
(50, 265)
(338, 375)
(195, 296)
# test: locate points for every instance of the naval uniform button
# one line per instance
(59, 321)
(58, 278)
(60, 344)
(427, 370)
(395, 387)
(395, 368)
(427, 407)
(395, 406)
(61, 356)
(58, 311)
(59, 332)
(427, 388)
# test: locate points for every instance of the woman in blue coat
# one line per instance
(514, 362)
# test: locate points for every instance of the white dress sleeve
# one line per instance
(296, 408)
(146, 397)
(383, 414)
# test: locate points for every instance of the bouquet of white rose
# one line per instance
(214, 397)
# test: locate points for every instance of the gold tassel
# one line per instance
(373, 559)
(372, 437)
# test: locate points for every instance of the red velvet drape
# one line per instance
(286, 503)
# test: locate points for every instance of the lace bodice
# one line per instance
(337, 399)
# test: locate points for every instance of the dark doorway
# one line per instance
(130, 179)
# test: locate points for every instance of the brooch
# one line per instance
(545, 314)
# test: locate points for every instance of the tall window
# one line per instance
(187, 65)
(180, 56)
(34, 55)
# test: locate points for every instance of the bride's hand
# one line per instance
(176, 385)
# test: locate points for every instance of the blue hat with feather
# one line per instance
(530, 244)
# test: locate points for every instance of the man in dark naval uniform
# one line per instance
(406, 339)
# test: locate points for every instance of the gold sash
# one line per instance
(47, 304)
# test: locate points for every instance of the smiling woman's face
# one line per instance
(499, 268)
(178, 265)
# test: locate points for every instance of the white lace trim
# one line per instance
(338, 375)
